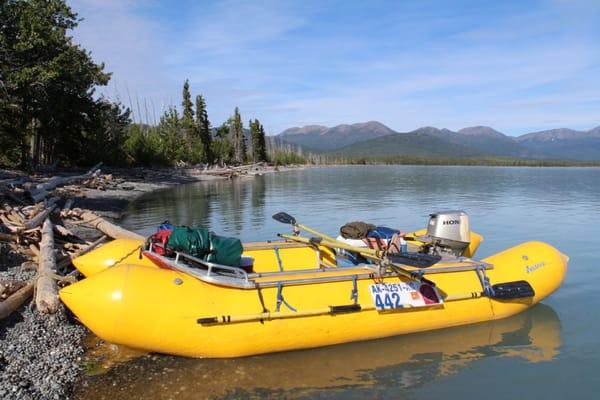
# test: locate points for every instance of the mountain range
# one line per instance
(374, 139)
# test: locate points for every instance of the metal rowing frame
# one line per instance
(224, 275)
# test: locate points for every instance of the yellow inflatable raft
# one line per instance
(295, 297)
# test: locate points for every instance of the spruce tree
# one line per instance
(187, 121)
(203, 128)
(259, 151)
(188, 110)
(262, 145)
(237, 136)
(254, 138)
(46, 84)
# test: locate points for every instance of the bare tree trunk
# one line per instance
(108, 228)
(46, 298)
(42, 190)
(15, 300)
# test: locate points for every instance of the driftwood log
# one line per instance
(6, 237)
(9, 287)
(43, 189)
(15, 300)
(46, 296)
(66, 208)
(108, 228)
(64, 263)
(39, 218)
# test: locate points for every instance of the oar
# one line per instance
(328, 241)
(363, 251)
(271, 315)
(286, 218)
(421, 261)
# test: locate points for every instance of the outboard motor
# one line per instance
(448, 231)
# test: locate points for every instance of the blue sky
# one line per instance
(517, 66)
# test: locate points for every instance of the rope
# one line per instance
(141, 247)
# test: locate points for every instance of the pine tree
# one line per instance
(187, 121)
(259, 150)
(254, 138)
(262, 145)
(237, 134)
(188, 110)
(46, 84)
(203, 128)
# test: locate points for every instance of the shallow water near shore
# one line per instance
(550, 351)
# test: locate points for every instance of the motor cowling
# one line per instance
(450, 230)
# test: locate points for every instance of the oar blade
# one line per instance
(512, 290)
(284, 218)
(417, 260)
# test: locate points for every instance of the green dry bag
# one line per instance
(201, 243)
(225, 250)
(195, 242)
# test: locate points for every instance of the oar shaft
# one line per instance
(314, 232)
(273, 315)
(372, 254)
(332, 243)
(463, 296)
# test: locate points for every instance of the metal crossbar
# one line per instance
(224, 275)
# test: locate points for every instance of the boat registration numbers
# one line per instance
(391, 296)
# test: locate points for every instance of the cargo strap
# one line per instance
(281, 300)
(354, 293)
(484, 280)
(279, 264)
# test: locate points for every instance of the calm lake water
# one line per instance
(551, 351)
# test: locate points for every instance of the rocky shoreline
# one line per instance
(42, 356)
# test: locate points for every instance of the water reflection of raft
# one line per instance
(412, 360)
(291, 301)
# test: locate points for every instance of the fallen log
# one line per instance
(39, 218)
(6, 237)
(7, 288)
(108, 228)
(37, 194)
(34, 250)
(15, 300)
(67, 261)
(43, 189)
(15, 181)
(66, 208)
(46, 295)
(28, 266)
(61, 230)
(9, 225)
